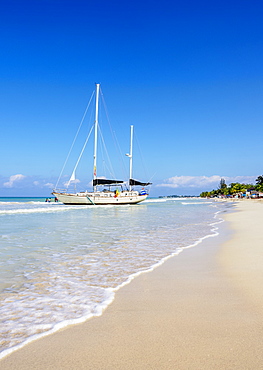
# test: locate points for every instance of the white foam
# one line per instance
(154, 200)
(39, 210)
(201, 202)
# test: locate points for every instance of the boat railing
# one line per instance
(61, 191)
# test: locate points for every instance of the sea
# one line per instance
(61, 265)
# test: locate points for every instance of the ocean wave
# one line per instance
(38, 210)
(201, 202)
(154, 200)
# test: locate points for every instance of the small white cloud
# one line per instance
(49, 185)
(189, 181)
(13, 179)
(203, 181)
(241, 179)
(67, 183)
(36, 183)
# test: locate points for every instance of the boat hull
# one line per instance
(100, 198)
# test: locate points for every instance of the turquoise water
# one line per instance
(24, 199)
(63, 264)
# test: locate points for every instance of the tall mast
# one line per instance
(96, 133)
(131, 154)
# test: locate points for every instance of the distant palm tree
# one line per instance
(259, 180)
(222, 184)
(259, 183)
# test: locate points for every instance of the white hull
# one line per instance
(100, 198)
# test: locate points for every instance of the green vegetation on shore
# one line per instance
(234, 188)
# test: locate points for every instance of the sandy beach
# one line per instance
(199, 310)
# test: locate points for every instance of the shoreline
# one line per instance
(102, 307)
(191, 312)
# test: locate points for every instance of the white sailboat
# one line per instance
(118, 195)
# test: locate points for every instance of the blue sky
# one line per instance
(187, 74)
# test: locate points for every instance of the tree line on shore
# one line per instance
(233, 189)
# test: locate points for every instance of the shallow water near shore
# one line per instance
(61, 265)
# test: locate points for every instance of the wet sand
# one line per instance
(200, 310)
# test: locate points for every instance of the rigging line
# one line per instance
(142, 159)
(152, 177)
(105, 168)
(115, 140)
(84, 146)
(110, 168)
(70, 150)
(104, 165)
(124, 168)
